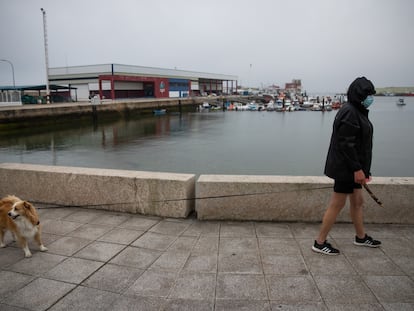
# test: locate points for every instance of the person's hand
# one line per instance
(367, 180)
(359, 177)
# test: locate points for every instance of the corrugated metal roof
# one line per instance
(119, 69)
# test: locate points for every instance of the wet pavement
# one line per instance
(100, 260)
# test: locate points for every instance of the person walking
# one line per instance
(349, 163)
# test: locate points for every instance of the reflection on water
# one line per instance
(260, 143)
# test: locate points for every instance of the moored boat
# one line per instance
(400, 102)
(159, 112)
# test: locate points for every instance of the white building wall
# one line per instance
(82, 91)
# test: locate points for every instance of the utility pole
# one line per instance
(46, 56)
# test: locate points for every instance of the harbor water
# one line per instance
(230, 142)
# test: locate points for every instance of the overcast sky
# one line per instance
(325, 43)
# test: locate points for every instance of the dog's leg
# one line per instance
(23, 243)
(26, 250)
(2, 244)
(39, 242)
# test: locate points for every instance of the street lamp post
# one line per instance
(46, 56)
(11, 64)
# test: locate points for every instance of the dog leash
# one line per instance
(57, 205)
(372, 195)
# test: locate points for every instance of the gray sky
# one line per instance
(326, 43)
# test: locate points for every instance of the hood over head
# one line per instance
(359, 89)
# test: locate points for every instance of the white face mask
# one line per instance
(368, 101)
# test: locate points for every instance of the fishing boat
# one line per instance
(400, 102)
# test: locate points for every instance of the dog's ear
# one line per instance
(27, 205)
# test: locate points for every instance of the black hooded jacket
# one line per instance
(351, 142)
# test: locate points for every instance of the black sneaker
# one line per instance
(367, 241)
(325, 248)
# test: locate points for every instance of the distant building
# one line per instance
(115, 81)
(294, 87)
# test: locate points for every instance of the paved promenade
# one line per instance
(100, 260)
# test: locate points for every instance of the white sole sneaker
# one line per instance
(325, 252)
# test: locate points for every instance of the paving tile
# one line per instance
(283, 264)
(138, 304)
(59, 227)
(206, 245)
(85, 298)
(100, 251)
(139, 223)
(240, 262)
(300, 306)
(307, 231)
(203, 228)
(170, 228)
(171, 260)
(73, 270)
(406, 231)
(9, 256)
(67, 246)
(38, 264)
(355, 306)
(400, 246)
(379, 231)
(347, 247)
(344, 289)
(288, 289)
(320, 264)
(194, 286)
(4, 307)
(202, 263)
(10, 282)
(242, 305)
(35, 299)
(391, 288)
(379, 264)
(266, 229)
(405, 263)
(237, 229)
(238, 245)
(83, 216)
(121, 236)
(398, 306)
(237, 286)
(113, 278)
(188, 305)
(90, 232)
(156, 241)
(153, 283)
(278, 246)
(55, 213)
(136, 257)
(183, 244)
(110, 219)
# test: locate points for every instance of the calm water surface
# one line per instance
(253, 143)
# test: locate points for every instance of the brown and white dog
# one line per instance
(21, 219)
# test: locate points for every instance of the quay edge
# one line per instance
(52, 111)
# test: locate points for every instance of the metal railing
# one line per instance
(10, 98)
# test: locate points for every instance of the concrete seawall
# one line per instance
(118, 190)
(32, 112)
(297, 198)
(224, 197)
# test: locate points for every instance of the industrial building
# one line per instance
(116, 81)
